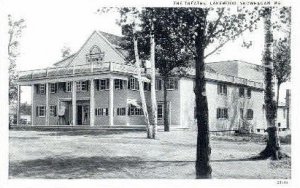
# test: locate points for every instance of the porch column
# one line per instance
(111, 102)
(47, 105)
(18, 104)
(74, 107)
(32, 106)
(92, 103)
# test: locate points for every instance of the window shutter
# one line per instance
(55, 87)
(106, 109)
(107, 83)
(38, 89)
(225, 87)
(97, 85)
(128, 111)
(219, 88)
(37, 111)
(87, 85)
(55, 111)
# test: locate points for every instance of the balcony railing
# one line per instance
(78, 70)
(89, 69)
(230, 79)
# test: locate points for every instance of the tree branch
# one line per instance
(212, 34)
(229, 39)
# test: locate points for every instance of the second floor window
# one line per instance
(53, 88)
(119, 84)
(242, 92)
(172, 84)
(147, 86)
(68, 86)
(158, 84)
(222, 89)
(102, 84)
(222, 113)
(41, 89)
(82, 85)
(133, 84)
(249, 93)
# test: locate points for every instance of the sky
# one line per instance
(51, 25)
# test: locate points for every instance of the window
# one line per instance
(53, 88)
(40, 111)
(159, 111)
(101, 111)
(222, 89)
(121, 111)
(53, 111)
(82, 85)
(249, 93)
(249, 114)
(102, 84)
(172, 84)
(279, 124)
(147, 86)
(68, 86)
(41, 89)
(242, 92)
(135, 111)
(158, 83)
(119, 84)
(222, 113)
(133, 84)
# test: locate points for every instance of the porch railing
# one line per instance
(77, 70)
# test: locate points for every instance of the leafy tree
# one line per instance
(282, 51)
(280, 60)
(282, 63)
(65, 51)
(196, 28)
(15, 29)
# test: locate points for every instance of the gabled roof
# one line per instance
(65, 62)
(113, 39)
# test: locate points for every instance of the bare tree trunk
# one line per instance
(166, 110)
(277, 95)
(203, 168)
(153, 91)
(141, 87)
(273, 145)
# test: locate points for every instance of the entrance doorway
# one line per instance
(83, 115)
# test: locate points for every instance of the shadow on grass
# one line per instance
(69, 168)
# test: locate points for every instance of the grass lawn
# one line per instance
(120, 154)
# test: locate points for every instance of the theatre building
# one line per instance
(97, 87)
